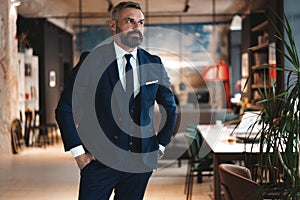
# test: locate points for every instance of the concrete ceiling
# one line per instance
(70, 14)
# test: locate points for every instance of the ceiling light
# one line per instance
(187, 6)
(236, 23)
(15, 3)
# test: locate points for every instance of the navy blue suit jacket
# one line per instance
(95, 89)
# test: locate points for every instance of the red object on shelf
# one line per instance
(219, 72)
(273, 72)
(26, 96)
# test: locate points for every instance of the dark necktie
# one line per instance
(129, 76)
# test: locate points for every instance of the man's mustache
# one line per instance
(129, 33)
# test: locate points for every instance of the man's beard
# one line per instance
(128, 40)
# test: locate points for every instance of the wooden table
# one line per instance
(216, 138)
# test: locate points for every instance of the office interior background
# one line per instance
(192, 37)
(201, 42)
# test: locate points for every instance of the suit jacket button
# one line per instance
(116, 137)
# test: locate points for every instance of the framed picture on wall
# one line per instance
(245, 64)
(272, 53)
(28, 69)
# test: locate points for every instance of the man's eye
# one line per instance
(129, 20)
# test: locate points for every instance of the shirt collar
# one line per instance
(121, 52)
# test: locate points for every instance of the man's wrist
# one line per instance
(84, 159)
(77, 151)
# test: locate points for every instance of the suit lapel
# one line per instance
(142, 70)
(110, 61)
(112, 71)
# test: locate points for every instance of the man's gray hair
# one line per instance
(115, 14)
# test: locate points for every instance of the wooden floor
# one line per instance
(168, 183)
(50, 174)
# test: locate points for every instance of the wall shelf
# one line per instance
(261, 27)
(258, 43)
(259, 47)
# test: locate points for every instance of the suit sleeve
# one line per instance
(64, 111)
(165, 98)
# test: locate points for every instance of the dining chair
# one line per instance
(196, 165)
(237, 182)
(40, 131)
(175, 131)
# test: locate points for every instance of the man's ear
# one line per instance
(112, 25)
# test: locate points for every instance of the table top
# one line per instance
(218, 138)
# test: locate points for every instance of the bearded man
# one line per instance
(117, 84)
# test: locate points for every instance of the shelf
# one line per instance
(262, 66)
(259, 86)
(251, 106)
(260, 27)
(259, 44)
(259, 47)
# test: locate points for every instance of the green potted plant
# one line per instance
(279, 136)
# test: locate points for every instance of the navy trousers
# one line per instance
(98, 181)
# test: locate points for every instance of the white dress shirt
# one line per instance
(121, 60)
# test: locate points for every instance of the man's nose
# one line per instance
(136, 25)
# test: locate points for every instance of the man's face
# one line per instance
(129, 28)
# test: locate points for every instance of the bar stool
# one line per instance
(28, 128)
(40, 131)
(52, 127)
